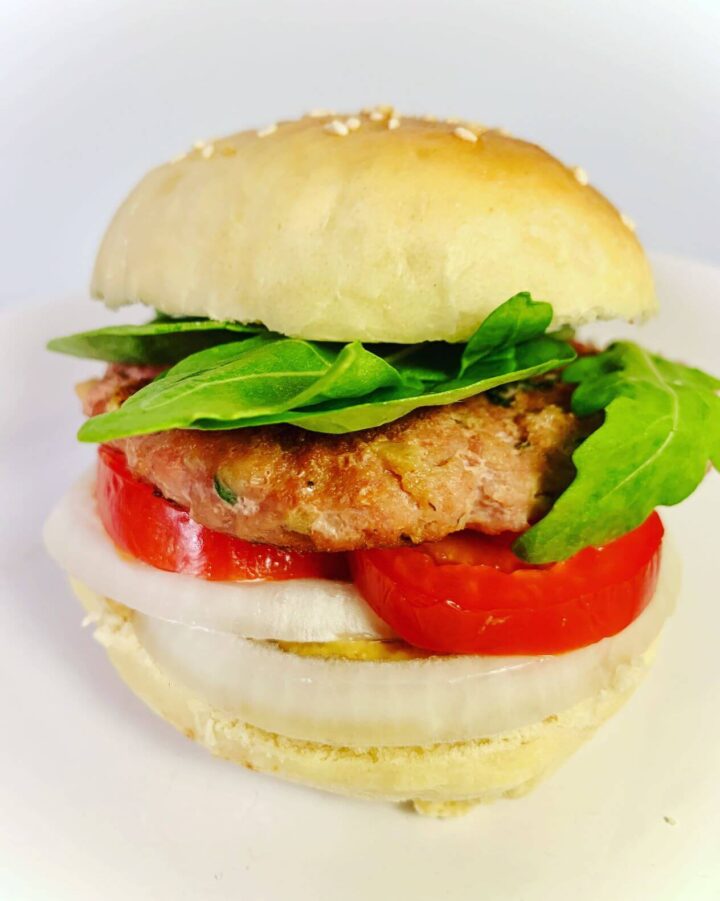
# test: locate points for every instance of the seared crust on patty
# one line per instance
(492, 463)
(119, 382)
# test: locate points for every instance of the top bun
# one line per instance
(371, 228)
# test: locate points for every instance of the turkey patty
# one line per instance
(494, 462)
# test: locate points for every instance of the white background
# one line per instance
(94, 92)
(100, 800)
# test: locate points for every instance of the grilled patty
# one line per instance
(493, 463)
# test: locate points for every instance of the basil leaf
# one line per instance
(661, 427)
(329, 387)
(163, 340)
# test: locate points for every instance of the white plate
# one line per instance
(100, 799)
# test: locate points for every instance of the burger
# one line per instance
(367, 513)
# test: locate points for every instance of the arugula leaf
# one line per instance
(229, 385)
(661, 427)
(163, 340)
(530, 360)
(334, 388)
(501, 334)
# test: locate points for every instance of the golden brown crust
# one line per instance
(491, 465)
(403, 234)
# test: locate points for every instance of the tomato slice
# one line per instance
(470, 594)
(151, 528)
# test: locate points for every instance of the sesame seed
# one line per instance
(627, 222)
(353, 123)
(268, 130)
(580, 174)
(465, 134)
(198, 145)
(378, 113)
(176, 159)
(453, 120)
(393, 123)
(320, 113)
(671, 821)
(336, 127)
(207, 151)
(503, 132)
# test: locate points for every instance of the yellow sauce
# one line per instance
(360, 649)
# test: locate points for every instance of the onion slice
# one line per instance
(292, 610)
(417, 702)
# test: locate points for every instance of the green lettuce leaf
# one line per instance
(335, 388)
(163, 340)
(661, 428)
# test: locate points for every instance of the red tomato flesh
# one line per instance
(466, 594)
(151, 528)
(470, 594)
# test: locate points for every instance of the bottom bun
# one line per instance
(443, 779)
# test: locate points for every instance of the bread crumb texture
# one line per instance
(440, 780)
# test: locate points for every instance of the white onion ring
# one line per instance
(418, 702)
(292, 610)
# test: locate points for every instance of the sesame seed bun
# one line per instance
(371, 227)
(440, 780)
